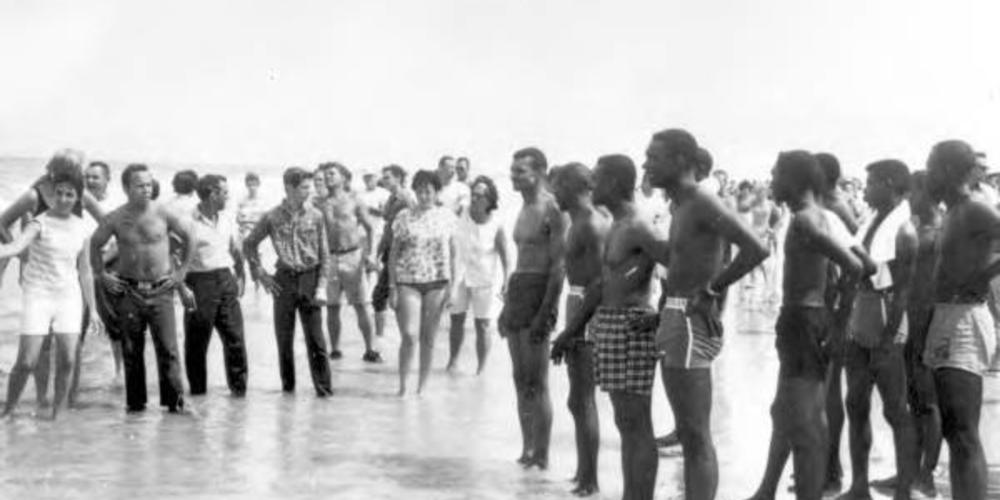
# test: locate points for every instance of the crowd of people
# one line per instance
(649, 254)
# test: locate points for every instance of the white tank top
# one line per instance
(477, 256)
(52, 255)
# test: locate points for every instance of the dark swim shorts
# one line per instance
(802, 334)
(525, 294)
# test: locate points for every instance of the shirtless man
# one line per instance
(572, 185)
(145, 282)
(920, 380)
(803, 327)
(878, 327)
(350, 257)
(690, 331)
(625, 349)
(532, 301)
(960, 340)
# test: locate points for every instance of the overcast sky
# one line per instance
(372, 82)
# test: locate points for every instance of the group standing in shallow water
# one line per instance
(850, 300)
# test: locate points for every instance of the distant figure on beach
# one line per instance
(421, 267)
(454, 194)
(298, 232)
(572, 185)
(51, 298)
(251, 208)
(480, 244)
(350, 235)
(185, 200)
(216, 280)
(532, 301)
(463, 169)
(144, 283)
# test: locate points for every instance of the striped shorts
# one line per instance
(624, 358)
(686, 340)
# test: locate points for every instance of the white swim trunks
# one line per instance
(961, 336)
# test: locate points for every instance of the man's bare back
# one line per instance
(533, 231)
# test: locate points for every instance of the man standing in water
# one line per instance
(878, 327)
(960, 340)
(690, 330)
(531, 302)
(350, 257)
(394, 180)
(803, 326)
(625, 350)
(298, 233)
(572, 185)
(145, 282)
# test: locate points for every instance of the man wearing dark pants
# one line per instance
(298, 233)
(145, 284)
(216, 291)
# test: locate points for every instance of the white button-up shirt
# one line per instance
(213, 240)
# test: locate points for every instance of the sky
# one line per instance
(375, 82)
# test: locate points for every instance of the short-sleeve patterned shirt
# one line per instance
(421, 241)
(298, 236)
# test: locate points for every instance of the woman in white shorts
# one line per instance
(50, 287)
(480, 243)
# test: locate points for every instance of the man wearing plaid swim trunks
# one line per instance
(625, 355)
(690, 331)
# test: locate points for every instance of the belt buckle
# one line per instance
(144, 286)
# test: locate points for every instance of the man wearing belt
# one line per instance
(350, 256)
(298, 234)
(144, 285)
(216, 289)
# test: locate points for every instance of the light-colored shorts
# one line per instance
(574, 301)
(479, 298)
(961, 336)
(347, 278)
(685, 340)
(55, 312)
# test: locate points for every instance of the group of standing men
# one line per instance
(848, 300)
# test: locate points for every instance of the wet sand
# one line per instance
(457, 441)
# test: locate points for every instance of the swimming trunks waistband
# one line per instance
(342, 251)
(143, 285)
(679, 303)
(576, 290)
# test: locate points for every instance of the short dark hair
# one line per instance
(959, 155)
(492, 195)
(802, 170)
(341, 169)
(576, 173)
(426, 178)
(893, 172)
(463, 158)
(680, 142)
(103, 166)
(622, 169)
(185, 181)
(71, 176)
(130, 170)
(207, 184)
(538, 161)
(395, 171)
(918, 180)
(294, 176)
(830, 166)
(744, 184)
(444, 159)
(251, 177)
